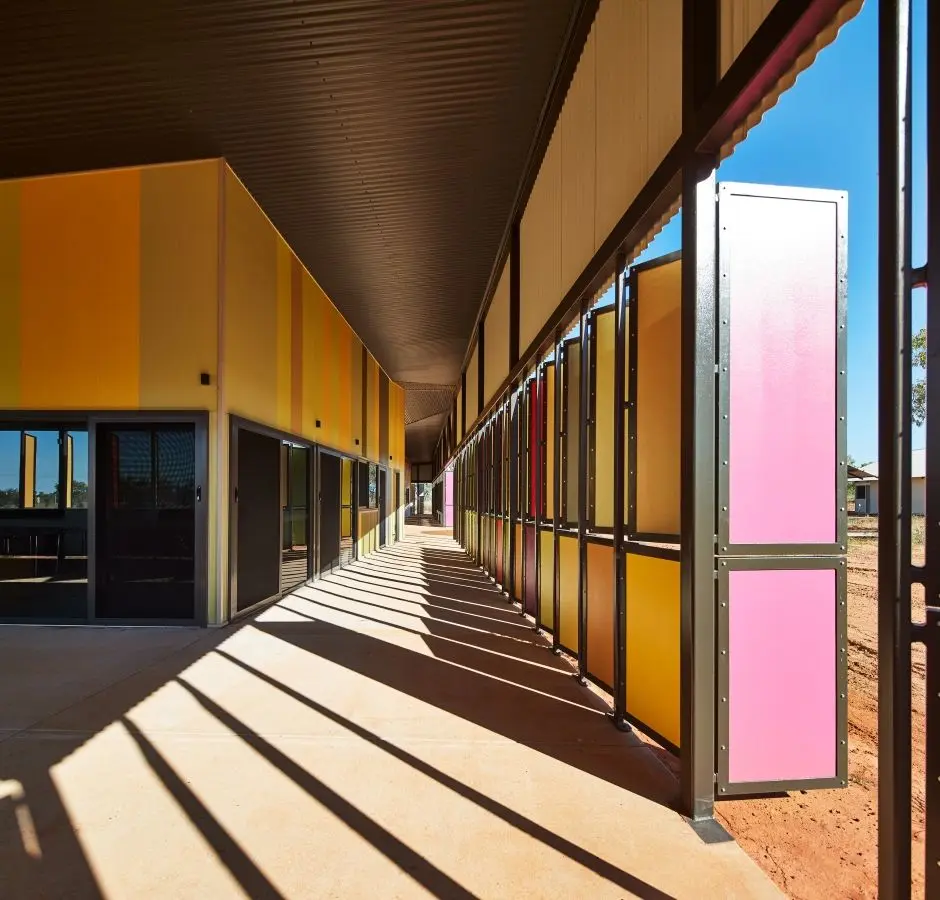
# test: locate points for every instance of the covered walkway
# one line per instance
(396, 731)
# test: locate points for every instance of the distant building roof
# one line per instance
(918, 466)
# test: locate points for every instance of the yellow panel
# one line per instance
(250, 313)
(578, 169)
(472, 392)
(285, 261)
(549, 441)
(622, 115)
(540, 247)
(572, 447)
(179, 285)
(605, 329)
(628, 311)
(517, 587)
(459, 415)
(653, 643)
(739, 20)
(496, 332)
(600, 612)
(568, 591)
(547, 579)
(80, 281)
(658, 399)
(665, 78)
(356, 388)
(28, 454)
(9, 295)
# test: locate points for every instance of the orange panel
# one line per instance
(80, 282)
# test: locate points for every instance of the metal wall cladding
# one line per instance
(496, 338)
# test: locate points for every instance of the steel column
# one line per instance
(932, 562)
(894, 452)
(620, 406)
(583, 418)
(556, 520)
(698, 516)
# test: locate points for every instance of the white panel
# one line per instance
(540, 247)
(473, 375)
(496, 338)
(664, 104)
(578, 168)
(739, 20)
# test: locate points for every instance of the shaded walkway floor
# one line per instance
(395, 731)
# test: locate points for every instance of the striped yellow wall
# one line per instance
(290, 359)
(109, 289)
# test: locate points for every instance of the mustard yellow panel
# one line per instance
(285, 263)
(547, 579)
(496, 332)
(571, 449)
(652, 643)
(568, 591)
(658, 399)
(9, 295)
(600, 612)
(80, 291)
(250, 314)
(605, 330)
(179, 285)
(472, 392)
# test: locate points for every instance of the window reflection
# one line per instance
(43, 522)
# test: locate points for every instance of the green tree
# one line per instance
(919, 383)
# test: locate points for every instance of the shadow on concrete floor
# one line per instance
(396, 729)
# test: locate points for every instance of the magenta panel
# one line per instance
(783, 308)
(531, 592)
(782, 675)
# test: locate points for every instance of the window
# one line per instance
(43, 469)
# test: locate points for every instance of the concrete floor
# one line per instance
(397, 731)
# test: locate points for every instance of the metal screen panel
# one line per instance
(547, 579)
(652, 644)
(600, 612)
(782, 712)
(655, 424)
(568, 592)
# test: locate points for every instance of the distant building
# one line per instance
(866, 486)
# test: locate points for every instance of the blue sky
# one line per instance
(47, 458)
(824, 133)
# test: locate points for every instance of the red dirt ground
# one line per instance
(823, 844)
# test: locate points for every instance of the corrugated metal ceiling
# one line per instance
(384, 139)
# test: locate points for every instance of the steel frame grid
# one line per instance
(727, 788)
(839, 199)
(632, 450)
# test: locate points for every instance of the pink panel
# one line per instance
(531, 594)
(782, 685)
(783, 370)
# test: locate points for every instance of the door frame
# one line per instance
(200, 421)
(235, 424)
